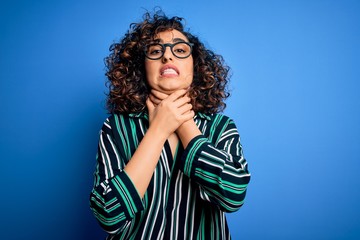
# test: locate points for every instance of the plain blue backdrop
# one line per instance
(295, 99)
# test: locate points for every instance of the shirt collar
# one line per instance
(203, 115)
(139, 115)
(144, 114)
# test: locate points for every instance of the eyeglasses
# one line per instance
(180, 50)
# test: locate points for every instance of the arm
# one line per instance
(216, 163)
(114, 199)
(118, 188)
(164, 119)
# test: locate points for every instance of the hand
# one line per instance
(156, 96)
(168, 112)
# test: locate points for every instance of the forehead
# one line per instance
(171, 36)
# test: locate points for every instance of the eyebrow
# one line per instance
(173, 40)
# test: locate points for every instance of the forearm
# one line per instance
(111, 207)
(164, 119)
(114, 200)
(141, 166)
(216, 163)
(187, 131)
(222, 177)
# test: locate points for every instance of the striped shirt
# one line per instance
(188, 194)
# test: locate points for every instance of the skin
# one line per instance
(168, 83)
(170, 112)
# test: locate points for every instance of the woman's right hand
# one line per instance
(171, 112)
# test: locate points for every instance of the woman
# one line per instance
(168, 165)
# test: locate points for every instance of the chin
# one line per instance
(171, 89)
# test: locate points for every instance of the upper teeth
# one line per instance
(169, 71)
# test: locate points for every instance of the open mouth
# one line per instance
(169, 71)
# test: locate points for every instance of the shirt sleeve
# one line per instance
(114, 199)
(217, 164)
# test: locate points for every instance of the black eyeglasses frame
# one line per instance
(171, 45)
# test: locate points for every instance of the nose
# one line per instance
(168, 55)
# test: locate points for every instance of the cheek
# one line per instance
(149, 70)
(147, 67)
(190, 69)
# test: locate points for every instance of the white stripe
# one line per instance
(150, 207)
(211, 164)
(174, 219)
(165, 162)
(236, 174)
(190, 232)
(104, 159)
(114, 149)
(226, 134)
(107, 124)
(215, 157)
(222, 221)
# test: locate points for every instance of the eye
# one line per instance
(154, 49)
(181, 48)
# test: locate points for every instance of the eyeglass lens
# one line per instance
(156, 51)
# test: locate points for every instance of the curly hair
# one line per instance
(126, 77)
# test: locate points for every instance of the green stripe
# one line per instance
(128, 132)
(116, 153)
(130, 205)
(109, 221)
(221, 131)
(212, 128)
(105, 208)
(190, 156)
(106, 160)
(98, 196)
(124, 138)
(209, 177)
(133, 131)
(222, 199)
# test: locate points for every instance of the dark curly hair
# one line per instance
(128, 88)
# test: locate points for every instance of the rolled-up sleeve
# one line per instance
(217, 164)
(114, 199)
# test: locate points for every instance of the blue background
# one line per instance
(295, 99)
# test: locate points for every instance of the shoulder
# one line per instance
(118, 117)
(126, 122)
(214, 118)
(112, 120)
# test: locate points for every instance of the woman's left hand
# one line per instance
(187, 130)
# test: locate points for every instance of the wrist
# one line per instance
(187, 131)
(158, 131)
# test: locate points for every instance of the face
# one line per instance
(169, 73)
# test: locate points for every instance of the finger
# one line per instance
(154, 99)
(150, 105)
(159, 95)
(177, 94)
(185, 108)
(182, 101)
(188, 115)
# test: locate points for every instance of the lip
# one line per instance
(169, 66)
